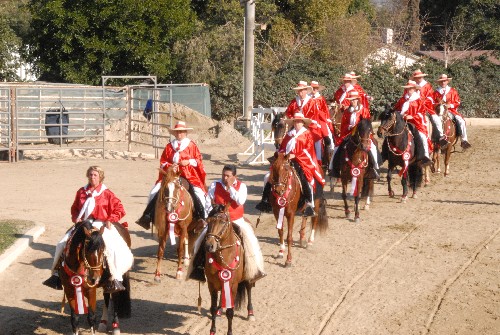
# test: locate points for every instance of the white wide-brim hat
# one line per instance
(316, 85)
(411, 84)
(301, 86)
(298, 116)
(444, 77)
(180, 126)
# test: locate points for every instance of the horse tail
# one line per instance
(121, 300)
(241, 294)
(322, 216)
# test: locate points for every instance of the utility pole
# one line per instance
(248, 60)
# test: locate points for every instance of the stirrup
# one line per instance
(53, 282)
(264, 206)
(113, 286)
(465, 145)
(144, 221)
(309, 211)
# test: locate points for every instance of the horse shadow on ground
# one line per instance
(467, 202)
(153, 317)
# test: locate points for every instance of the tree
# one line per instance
(9, 47)
(79, 41)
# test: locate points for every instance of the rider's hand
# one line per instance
(184, 162)
(291, 156)
(230, 181)
(108, 224)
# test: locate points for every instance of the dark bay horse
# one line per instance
(81, 270)
(451, 136)
(174, 214)
(285, 199)
(399, 147)
(225, 267)
(354, 161)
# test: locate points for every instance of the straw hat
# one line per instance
(347, 77)
(353, 75)
(298, 116)
(316, 85)
(180, 126)
(418, 73)
(302, 85)
(411, 84)
(353, 95)
(444, 77)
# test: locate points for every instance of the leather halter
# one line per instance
(219, 238)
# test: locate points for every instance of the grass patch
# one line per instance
(11, 230)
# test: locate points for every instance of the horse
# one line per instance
(285, 199)
(451, 137)
(174, 213)
(81, 269)
(354, 161)
(225, 266)
(399, 146)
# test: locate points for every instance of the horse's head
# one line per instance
(387, 122)
(363, 134)
(219, 227)
(335, 117)
(279, 128)
(440, 109)
(170, 187)
(280, 172)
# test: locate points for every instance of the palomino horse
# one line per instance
(450, 133)
(225, 266)
(400, 147)
(174, 215)
(81, 269)
(354, 160)
(285, 200)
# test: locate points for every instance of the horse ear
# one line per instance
(226, 207)
(87, 231)
(101, 230)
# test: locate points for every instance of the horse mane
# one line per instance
(216, 209)
(79, 235)
(169, 175)
(364, 126)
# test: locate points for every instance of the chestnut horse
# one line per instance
(354, 161)
(399, 146)
(450, 133)
(225, 266)
(174, 213)
(285, 200)
(81, 269)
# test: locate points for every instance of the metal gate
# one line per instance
(5, 124)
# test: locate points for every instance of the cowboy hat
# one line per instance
(411, 84)
(316, 85)
(347, 76)
(353, 75)
(444, 77)
(418, 73)
(180, 126)
(353, 95)
(298, 116)
(302, 85)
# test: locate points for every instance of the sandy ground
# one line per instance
(430, 266)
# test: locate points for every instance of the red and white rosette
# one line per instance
(80, 306)
(226, 297)
(172, 220)
(355, 172)
(406, 158)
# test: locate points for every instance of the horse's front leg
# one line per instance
(289, 239)
(281, 252)
(404, 183)
(447, 157)
(344, 197)
(161, 250)
(181, 252)
(356, 208)
(302, 232)
(75, 319)
(389, 179)
(115, 326)
(103, 324)
(213, 307)
(230, 315)
(91, 298)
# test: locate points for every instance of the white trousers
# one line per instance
(117, 252)
(202, 196)
(461, 124)
(437, 122)
(317, 149)
(423, 137)
(373, 152)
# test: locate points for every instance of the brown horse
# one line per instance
(336, 119)
(354, 161)
(450, 133)
(225, 266)
(81, 269)
(285, 200)
(174, 214)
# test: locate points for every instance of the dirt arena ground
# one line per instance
(430, 266)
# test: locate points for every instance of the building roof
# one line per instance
(457, 55)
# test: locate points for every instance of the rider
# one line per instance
(449, 96)
(343, 91)
(365, 98)
(183, 154)
(413, 111)
(350, 119)
(321, 116)
(427, 96)
(229, 189)
(97, 203)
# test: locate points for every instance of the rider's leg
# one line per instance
(307, 188)
(148, 214)
(254, 262)
(421, 146)
(317, 149)
(374, 157)
(54, 281)
(204, 200)
(264, 205)
(461, 124)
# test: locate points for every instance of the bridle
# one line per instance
(279, 139)
(280, 186)
(390, 125)
(172, 202)
(224, 217)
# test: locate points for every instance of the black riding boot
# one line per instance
(198, 272)
(419, 148)
(148, 215)
(308, 194)
(264, 205)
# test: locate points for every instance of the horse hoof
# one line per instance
(116, 331)
(178, 275)
(219, 312)
(103, 326)
(280, 254)
(366, 208)
(348, 215)
(303, 244)
(288, 264)
(251, 317)
(391, 194)
(414, 196)
(157, 279)
(403, 200)
(310, 243)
